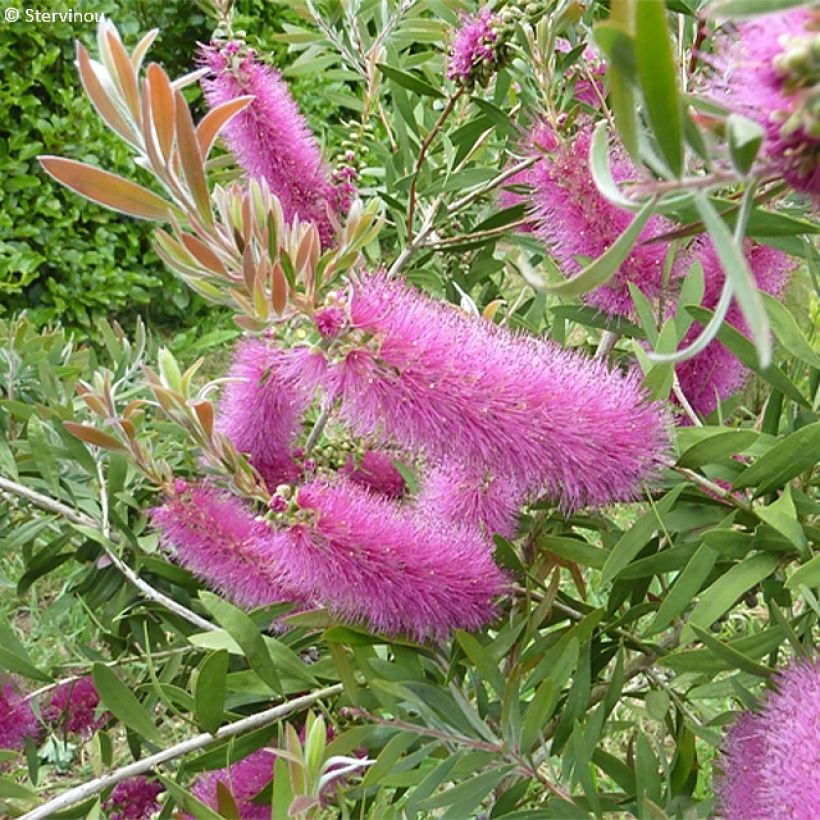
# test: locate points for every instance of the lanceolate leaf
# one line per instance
(123, 704)
(658, 77)
(107, 189)
(600, 271)
(736, 269)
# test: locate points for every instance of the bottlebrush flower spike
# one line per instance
(792, 735)
(217, 537)
(743, 755)
(573, 220)
(472, 497)
(134, 799)
(767, 72)
(452, 386)
(715, 373)
(17, 721)
(771, 759)
(270, 137)
(375, 471)
(374, 562)
(477, 48)
(244, 780)
(72, 708)
(261, 410)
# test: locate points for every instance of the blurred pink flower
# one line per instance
(270, 137)
(574, 221)
(715, 373)
(751, 80)
(436, 381)
(474, 46)
(738, 784)
(244, 780)
(72, 707)
(17, 720)
(134, 799)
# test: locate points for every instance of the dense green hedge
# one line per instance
(60, 257)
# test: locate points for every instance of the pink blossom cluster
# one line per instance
(271, 139)
(134, 799)
(475, 47)
(244, 779)
(72, 708)
(757, 75)
(771, 758)
(17, 720)
(492, 416)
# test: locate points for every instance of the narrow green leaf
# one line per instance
(538, 712)
(686, 587)
(733, 261)
(482, 660)
(243, 630)
(749, 8)
(799, 451)
(602, 269)
(637, 536)
(409, 81)
(807, 575)
(736, 659)
(724, 444)
(575, 550)
(123, 704)
(209, 692)
(788, 332)
(745, 138)
(14, 658)
(745, 351)
(782, 516)
(657, 72)
(723, 593)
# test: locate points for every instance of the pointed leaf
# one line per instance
(107, 189)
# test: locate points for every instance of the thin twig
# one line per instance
(493, 183)
(684, 402)
(475, 237)
(608, 340)
(80, 793)
(425, 145)
(57, 507)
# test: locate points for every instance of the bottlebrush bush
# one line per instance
(508, 505)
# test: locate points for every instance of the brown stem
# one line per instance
(425, 145)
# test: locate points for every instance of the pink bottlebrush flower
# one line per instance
(473, 497)
(475, 51)
(134, 799)
(589, 72)
(17, 720)
(244, 779)
(753, 77)
(573, 220)
(453, 386)
(374, 562)
(771, 758)
(715, 373)
(789, 780)
(375, 471)
(72, 707)
(217, 537)
(330, 321)
(270, 137)
(743, 755)
(261, 411)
